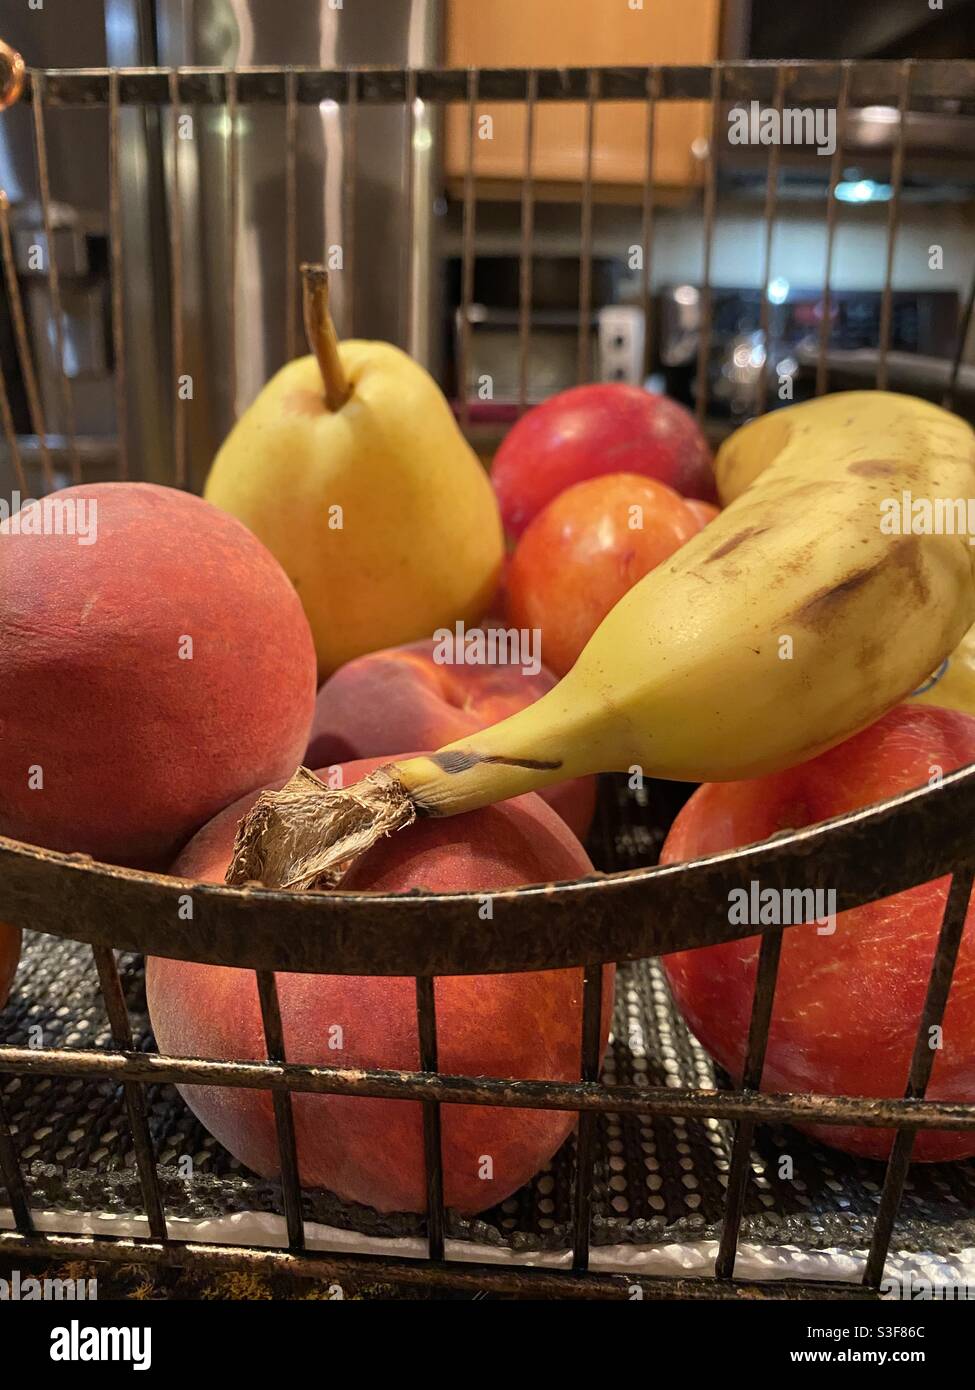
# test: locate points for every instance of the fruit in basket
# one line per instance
(847, 1001)
(147, 678)
(705, 512)
(591, 430)
(9, 957)
(787, 624)
(424, 694)
(585, 550)
(952, 685)
(507, 1025)
(366, 491)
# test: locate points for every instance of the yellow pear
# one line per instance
(351, 469)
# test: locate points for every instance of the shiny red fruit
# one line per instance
(704, 511)
(592, 430)
(585, 551)
(847, 1004)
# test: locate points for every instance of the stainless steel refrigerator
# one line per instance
(393, 224)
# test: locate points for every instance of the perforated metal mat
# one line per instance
(658, 1180)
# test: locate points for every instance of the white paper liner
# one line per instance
(754, 1262)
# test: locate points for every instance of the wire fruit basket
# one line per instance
(628, 916)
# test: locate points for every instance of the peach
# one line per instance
(151, 671)
(512, 1026)
(404, 697)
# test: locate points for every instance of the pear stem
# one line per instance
(322, 337)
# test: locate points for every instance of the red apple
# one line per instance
(847, 1004)
(591, 430)
(520, 1026)
(9, 956)
(587, 549)
(405, 697)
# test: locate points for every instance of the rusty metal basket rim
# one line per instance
(874, 851)
(813, 79)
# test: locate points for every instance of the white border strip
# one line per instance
(754, 1261)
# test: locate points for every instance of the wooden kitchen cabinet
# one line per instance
(580, 33)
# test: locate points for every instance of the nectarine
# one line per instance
(585, 551)
(150, 673)
(705, 512)
(512, 1026)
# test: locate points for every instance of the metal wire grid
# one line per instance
(908, 86)
(872, 853)
(865, 856)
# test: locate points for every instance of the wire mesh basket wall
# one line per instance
(632, 915)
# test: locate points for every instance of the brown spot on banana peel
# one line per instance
(874, 468)
(870, 655)
(735, 542)
(905, 553)
(818, 610)
(461, 761)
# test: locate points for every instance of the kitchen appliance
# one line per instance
(499, 381)
(298, 180)
(760, 29)
(743, 365)
(938, 136)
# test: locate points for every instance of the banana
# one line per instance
(952, 685)
(788, 624)
(793, 620)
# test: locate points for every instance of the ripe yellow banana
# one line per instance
(952, 685)
(793, 620)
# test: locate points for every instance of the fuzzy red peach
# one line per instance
(404, 697)
(147, 678)
(513, 1026)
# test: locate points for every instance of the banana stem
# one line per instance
(322, 337)
(559, 737)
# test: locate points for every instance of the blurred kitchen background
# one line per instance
(409, 214)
